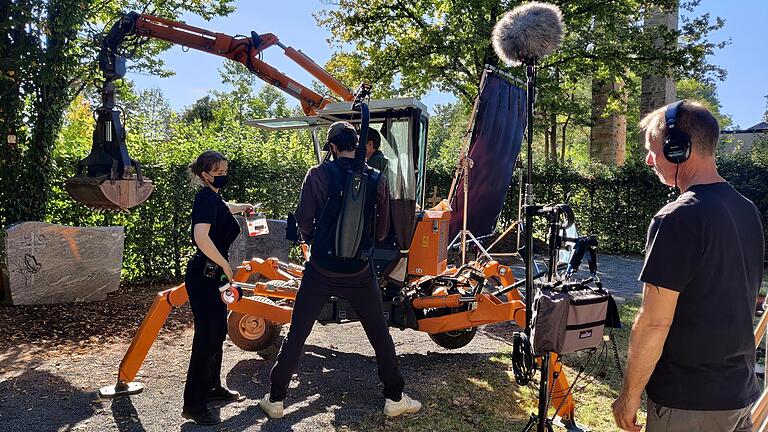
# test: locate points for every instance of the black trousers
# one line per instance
(362, 291)
(210, 317)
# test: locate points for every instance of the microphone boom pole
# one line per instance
(525, 35)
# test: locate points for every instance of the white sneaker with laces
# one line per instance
(272, 409)
(404, 405)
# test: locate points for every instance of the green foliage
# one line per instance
(48, 53)
(765, 114)
(447, 131)
(411, 47)
(617, 203)
(705, 93)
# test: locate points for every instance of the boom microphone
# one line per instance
(528, 32)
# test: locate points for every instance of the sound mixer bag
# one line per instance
(568, 318)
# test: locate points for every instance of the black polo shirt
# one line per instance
(210, 208)
(707, 245)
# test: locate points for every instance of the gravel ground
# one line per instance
(50, 374)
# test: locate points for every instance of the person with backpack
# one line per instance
(326, 274)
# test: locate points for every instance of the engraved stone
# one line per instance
(48, 263)
(273, 244)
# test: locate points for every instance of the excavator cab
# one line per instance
(402, 124)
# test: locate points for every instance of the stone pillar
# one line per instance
(608, 137)
(657, 90)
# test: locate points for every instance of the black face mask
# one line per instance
(219, 181)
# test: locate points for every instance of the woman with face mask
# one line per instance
(213, 231)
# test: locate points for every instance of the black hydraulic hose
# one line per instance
(363, 138)
(363, 93)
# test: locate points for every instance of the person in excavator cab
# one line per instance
(373, 154)
(214, 228)
(326, 275)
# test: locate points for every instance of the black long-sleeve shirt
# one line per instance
(314, 192)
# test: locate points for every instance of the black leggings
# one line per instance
(210, 316)
(364, 294)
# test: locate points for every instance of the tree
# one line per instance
(765, 114)
(48, 54)
(447, 129)
(704, 92)
(409, 47)
(201, 110)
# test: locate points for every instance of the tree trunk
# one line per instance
(50, 93)
(13, 136)
(608, 136)
(562, 148)
(553, 136)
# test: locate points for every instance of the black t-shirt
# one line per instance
(707, 245)
(210, 208)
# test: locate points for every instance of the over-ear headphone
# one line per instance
(677, 144)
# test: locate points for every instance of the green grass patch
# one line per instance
(483, 396)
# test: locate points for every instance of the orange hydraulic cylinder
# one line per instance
(489, 309)
(318, 72)
(443, 301)
(148, 331)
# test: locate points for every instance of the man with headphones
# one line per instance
(692, 348)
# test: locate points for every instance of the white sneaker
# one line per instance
(272, 409)
(404, 405)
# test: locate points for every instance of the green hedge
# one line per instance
(157, 233)
(615, 204)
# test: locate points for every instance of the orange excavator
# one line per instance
(108, 178)
(443, 301)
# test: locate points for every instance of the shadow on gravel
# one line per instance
(339, 388)
(37, 400)
(125, 415)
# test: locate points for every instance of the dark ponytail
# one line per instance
(205, 162)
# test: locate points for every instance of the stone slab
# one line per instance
(49, 263)
(269, 245)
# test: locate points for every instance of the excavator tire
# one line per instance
(113, 195)
(454, 339)
(252, 332)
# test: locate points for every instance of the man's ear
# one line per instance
(334, 149)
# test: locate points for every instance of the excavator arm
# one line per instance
(108, 178)
(242, 49)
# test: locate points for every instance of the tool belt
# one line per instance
(568, 317)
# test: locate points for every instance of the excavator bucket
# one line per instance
(108, 194)
(108, 178)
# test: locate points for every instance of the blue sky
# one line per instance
(742, 93)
